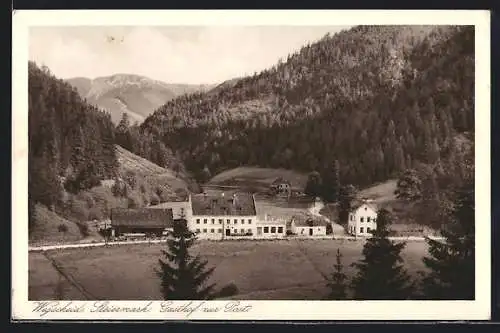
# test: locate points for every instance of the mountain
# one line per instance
(135, 95)
(377, 99)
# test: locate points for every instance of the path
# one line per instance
(315, 209)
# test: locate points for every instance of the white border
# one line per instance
(261, 310)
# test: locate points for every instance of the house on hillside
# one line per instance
(269, 227)
(308, 225)
(143, 220)
(223, 215)
(281, 186)
(362, 219)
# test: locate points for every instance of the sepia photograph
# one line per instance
(231, 163)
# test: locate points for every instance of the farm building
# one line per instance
(362, 219)
(221, 215)
(180, 209)
(270, 228)
(281, 186)
(143, 220)
(308, 225)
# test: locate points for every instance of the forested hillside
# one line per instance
(377, 99)
(76, 174)
(71, 143)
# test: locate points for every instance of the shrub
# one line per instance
(62, 228)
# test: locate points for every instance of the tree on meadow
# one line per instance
(338, 280)
(451, 262)
(381, 275)
(184, 276)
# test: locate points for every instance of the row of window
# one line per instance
(361, 229)
(362, 219)
(271, 230)
(212, 231)
(228, 221)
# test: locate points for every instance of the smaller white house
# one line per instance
(269, 227)
(307, 226)
(362, 219)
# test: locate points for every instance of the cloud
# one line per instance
(170, 54)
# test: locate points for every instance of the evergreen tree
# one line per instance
(331, 185)
(451, 263)
(313, 185)
(347, 194)
(337, 282)
(184, 276)
(381, 275)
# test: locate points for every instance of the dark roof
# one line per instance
(303, 220)
(142, 217)
(236, 203)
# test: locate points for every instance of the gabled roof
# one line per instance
(142, 218)
(358, 203)
(303, 220)
(217, 204)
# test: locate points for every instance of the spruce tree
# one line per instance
(381, 275)
(184, 276)
(451, 262)
(337, 281)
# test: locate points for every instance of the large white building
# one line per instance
(362, 219)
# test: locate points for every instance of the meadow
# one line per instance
(262, 270)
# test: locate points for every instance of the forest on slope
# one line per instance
(76, 174)
(374, 100)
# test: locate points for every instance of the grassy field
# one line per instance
(258, 177)
(279, 269)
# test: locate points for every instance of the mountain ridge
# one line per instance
(136, 95)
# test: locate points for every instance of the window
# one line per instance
(212, 231)
(365, 208)
(273, 230)
(220, 221)
(266, 230)
(361, 219)
(242, 231)
(228, 221)
(352, 218)
(280, 230)
(204, 231)
(205, 221)
(235, 221)
(197, 221)
(242, 221)
(213, 221)
(249, 221)
(368, 229)
(249, 230)
(368, 219)
(361, 230)
(198, 231)
(219, 231)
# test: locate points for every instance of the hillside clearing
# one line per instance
(255, 176)
(284, 269)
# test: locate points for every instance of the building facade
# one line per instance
(308, 226)
(362, 220)
(223, 215)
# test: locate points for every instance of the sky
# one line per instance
(194, 55)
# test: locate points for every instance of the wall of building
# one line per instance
(270, 230)
(362, 221)
(306, 230)
(204, 224)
